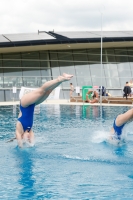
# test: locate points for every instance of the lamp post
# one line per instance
(101, 61)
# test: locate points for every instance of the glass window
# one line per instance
(32, 81)
(124, 73)
(31, 62)
(12, 77)
(110, 56)
(94, 55)
(111, 70)
(46, 75)
(12, 70)
(67, 65)
(111, 75)
(1, 61)
(31, 72)
(44, 59)
(30, 59)
(97, 77)
(1, 72)
(46, 72)
(12, 60)
(10, 81)
(2, 95)
(83, 75)
(130, 57)
(1, 78)
(55, 72)
(130, 54)
(82, 68)
(54, 64)
(8, 95)
(121, 55)
(31, 69)
(104, 56)
(31, 78)
(131, 66)
(45, 66)
(124, 70)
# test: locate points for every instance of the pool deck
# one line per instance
(65, 102)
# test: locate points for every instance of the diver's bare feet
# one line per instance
(68, 76)
(65, 77)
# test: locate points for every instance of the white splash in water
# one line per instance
(27, 144)
(100, 136)
(105, 136)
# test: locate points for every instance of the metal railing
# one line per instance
(37, 81)
(8, 82)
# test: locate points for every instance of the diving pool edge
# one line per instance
(64, 102)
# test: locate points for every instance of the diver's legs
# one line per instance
(43, 92)
(123, 118)
(47, 93)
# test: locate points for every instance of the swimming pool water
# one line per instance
(71, 159)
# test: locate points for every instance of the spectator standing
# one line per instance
(127, 90)
(71, 90)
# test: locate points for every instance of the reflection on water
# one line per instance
(25, 166)
(71, 158)
(91, 111)
(121, 150)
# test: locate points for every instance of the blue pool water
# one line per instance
(71, 159)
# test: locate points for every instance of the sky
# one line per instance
(29, 16)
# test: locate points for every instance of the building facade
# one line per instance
(32, 59)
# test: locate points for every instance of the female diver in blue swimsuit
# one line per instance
(118, 125)
(28, 102)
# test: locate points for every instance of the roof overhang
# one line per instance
(65, 47)
(64, 41)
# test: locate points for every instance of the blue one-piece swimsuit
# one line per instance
(118, 130)
(27, 117)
